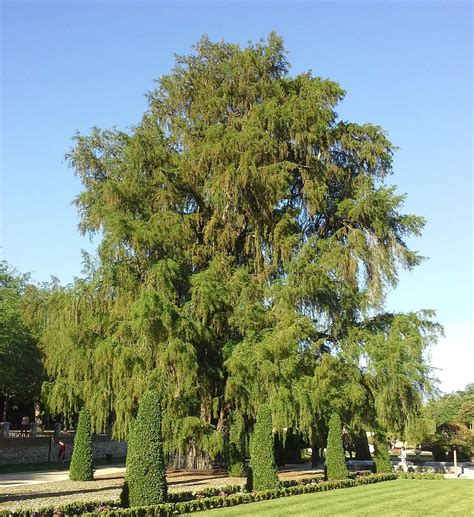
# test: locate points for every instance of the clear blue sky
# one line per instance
(407, 66)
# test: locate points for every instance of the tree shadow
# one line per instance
(51, 495)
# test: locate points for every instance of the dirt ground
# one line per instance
(59, 493)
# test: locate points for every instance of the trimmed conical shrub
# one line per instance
(336, 467)
(81, 468)
(145, 481)
(263, 472)
(382, 460)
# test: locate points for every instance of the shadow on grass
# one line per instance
(4, 498)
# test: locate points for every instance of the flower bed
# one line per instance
(205, 499)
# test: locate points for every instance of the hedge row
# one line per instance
(73, 509)
(205, 499)
(67, 510)
(178, 497)
(420, 475)
(170, 509)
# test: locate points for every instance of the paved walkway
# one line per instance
(13, 479)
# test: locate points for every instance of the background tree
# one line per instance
(81, 468)
(335, 464)
(146, 470)
(249, 238)
(21, 371)
(446, 424)
(263, 470)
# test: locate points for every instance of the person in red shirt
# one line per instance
(61, 453)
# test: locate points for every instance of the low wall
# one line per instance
(440, 467)
(36, 450)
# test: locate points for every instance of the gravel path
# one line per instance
(59, 493)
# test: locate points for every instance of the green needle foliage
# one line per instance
(146, 468)
(336, 467)
(381, 454)
(249, 239)
(262, 457)
(81, 468)
(21, 372)
(236, 445)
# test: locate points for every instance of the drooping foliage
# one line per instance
(81, 468)
(236, 445)
(146, 469)
(263, 471)
(335, 463)
(21, 371)
(249, 237)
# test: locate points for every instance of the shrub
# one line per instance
(81, 468)
(182, 496)
(170, 509)
(335, 460)
(420, 475)
(145, 481)
(110, 509)
(263, 471)
(381, 454)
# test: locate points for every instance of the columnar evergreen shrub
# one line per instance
(381, 454)
(263, 471)
(236, 445)
(81, 468)
(145, 481)
(336, 467)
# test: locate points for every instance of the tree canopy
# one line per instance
(21, 371)
(447, 422)
(249, 238)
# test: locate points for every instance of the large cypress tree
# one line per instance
(335, 463)
(146, 469)
(250, 236)
(81, 468)
(263, 471)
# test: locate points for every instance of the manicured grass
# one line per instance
(416, 497)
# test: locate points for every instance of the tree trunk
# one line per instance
(361, 443)
(38, 416)
(5, 408)
(222, 420)
(317, 445)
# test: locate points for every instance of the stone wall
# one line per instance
(36, 450)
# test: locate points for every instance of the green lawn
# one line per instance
(401, 497)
